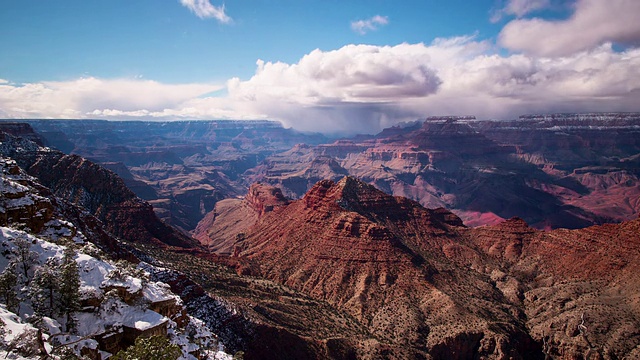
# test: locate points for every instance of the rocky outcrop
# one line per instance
(19, 204)
(23, 130)
(574, 285)
(222, 237)
(32, 214)
(28, 205)
(264, 198)
(118, 308)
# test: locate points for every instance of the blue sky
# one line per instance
(341, 65)
(163, 40)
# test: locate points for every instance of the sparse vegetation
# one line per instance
(152, 348)
(8, 290)
(25, 257)
(69, 288)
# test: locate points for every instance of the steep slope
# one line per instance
(94, 188)
(255, 316)
(25, 203)
(238, 214)
(262, 319)
(425, 285)
(577, 287)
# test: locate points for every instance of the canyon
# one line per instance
(444, 238)
(553, 171)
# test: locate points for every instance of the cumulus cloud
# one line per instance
(354, 73)
(364, 26)
(593, 23)
(519, 8)
(337, 84)
(205, 10)
(365, 88)
(360, 88)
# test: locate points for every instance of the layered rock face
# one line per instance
(597, 153)
(183, 168)
(553, 171)
(576, 286)
(101, 192)
(367, 253)
(264, 199)
(26, 204)
(22, 130)
(238, 214)
(425, 285)
(348, 271)
(556, 170)
(338, 244)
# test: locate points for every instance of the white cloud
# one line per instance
(593, 23)
(364, 88)
(359, 88)
(76, 98)
(204, 10)
(519, 8)
(195, 108)
(354, 73)
(364, 26)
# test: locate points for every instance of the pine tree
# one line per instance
(25, 257)
(3, 333)
(8, 291)
(153, 348)
(69, 287)
(44, 289)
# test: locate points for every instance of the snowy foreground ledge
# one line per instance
(118, 305)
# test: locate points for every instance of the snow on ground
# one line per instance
(15, 195)
(11, 187)
(158, 291)
(141, 319)
(44, 249)
(114, 313)
(95, 276)
(13, 324)
(133, 285)
(57, 229)
(203, 336)
(92, 274)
